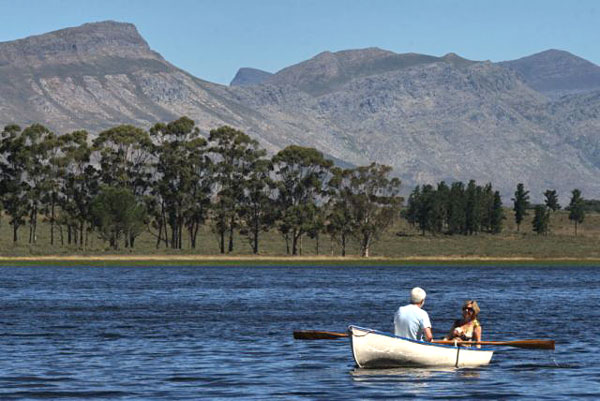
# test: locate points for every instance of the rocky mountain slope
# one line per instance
(432, 118)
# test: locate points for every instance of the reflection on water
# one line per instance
(413, 381)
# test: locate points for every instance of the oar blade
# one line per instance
(533, 344)
(318, 335)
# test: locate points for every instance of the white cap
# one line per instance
(417, 295)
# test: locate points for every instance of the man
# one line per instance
(411, 321)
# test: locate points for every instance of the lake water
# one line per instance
(188, 333)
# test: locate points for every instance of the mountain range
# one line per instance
(534, 120)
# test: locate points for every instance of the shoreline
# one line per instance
(251, 260)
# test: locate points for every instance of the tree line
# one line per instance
(170, 181)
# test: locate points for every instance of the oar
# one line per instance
(318, 335)
(332, 335)
(531, 344)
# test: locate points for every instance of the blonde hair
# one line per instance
(474, 306)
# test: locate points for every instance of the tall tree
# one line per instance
(302, 173)
(375, 203)
(551, 201)
(457, 205)
(13, 185)
(576, 208)
(258, 211)
(237, 154)
(38, 140)
(521, 203)
(183, 179)
(81, 182)
(497, 214)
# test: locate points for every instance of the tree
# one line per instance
(258, 211)
(457, 205)
(116, 212)
(540, 219)
(576, 208)
(81, 182)
(374, 202)
(521, 203)
(551, 201)
(237, 154)
(37, 142)
(497, 214)
(473, 209)
(13, 185)
(125, 154)
(302, 173)
(183, 181)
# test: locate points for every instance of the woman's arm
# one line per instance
(477, 332)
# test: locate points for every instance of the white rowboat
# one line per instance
(374, 349)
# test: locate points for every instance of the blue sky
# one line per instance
(213, 38)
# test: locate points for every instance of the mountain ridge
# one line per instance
(429, 117)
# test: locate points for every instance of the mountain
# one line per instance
(556, 73)
(103, 74)
(329, 71)
(249, 76)
(431, 118)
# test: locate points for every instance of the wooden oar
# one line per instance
(332, 335)
(318, 335)
(531, 344)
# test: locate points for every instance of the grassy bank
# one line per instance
(400, 245)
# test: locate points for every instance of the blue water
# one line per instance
(188, 333)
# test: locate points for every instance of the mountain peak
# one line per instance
(106, 38)
(249, 76)
(557, 72)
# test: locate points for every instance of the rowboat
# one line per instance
(374, 349)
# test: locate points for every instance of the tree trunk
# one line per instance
(255, 241)
(344, 244)
(52, 219)
(15, 228)
(159, 233)
(366, 244)
(287, 243)
(231, 224)
(81, 228)
(294, 243)
(317, 244)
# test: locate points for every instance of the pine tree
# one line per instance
(521, 203)
(576, 208)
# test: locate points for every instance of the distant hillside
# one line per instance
(328, 71)
(249, 76)
(556, 73)
(431, 118)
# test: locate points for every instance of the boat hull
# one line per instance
(376, 350)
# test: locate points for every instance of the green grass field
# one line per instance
(399, 243)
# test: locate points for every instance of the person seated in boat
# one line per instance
(468, 328)
(411, 321)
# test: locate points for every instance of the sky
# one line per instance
(212, 39)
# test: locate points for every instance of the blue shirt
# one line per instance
(410, 321)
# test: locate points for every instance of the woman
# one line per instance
(468, 328)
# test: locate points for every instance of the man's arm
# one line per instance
(427, 333)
